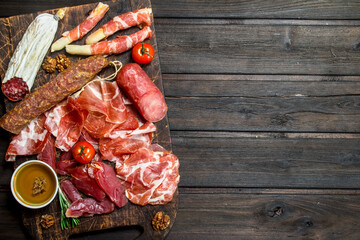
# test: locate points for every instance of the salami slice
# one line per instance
(146, 96)
(52, 92)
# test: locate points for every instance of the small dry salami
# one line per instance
(147, 97)
(15, 89)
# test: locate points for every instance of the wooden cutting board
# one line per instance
(12, 30)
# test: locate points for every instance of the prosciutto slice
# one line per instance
(106, 107)
(151, 177)
(89, 207)
(85, 184)
(106, 178)
(123, 142)
(70, 191)
(48, 154)
(31, 140)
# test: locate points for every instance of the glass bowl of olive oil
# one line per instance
(34, 184)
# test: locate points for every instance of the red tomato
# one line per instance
(143, 53)
(83, 152)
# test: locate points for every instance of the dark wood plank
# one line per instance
(288, 9)
(238, 214)
(295, 114)
(274, 160)
(217, 85)
(259, 46)
(257, 9)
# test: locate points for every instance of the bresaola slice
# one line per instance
(62, 166)
(88, 207)
(106, 178)
(85, 184)
(48, 155)
(31, 140)
(70, 191)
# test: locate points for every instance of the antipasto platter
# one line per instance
(89, 90)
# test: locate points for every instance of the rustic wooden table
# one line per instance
(264, 107)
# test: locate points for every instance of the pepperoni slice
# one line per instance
(15, 89)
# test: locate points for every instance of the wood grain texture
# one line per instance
(288, 9)
(130, 215)
(259, 46)
(294, 114)
(268, 160)
(234, 214)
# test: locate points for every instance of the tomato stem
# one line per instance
(143, 50)
(82, 153)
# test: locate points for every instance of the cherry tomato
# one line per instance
(83, 152)
(143, 53)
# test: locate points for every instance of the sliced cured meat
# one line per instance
(85, 136)
(53, 117)
(104, 97)
(31, 140)
(85, 184)
(106, 178)
(51, 93)
(91, 169)
(70, 125)
(89, 206)
(70, 191)
(147, 127)
(147, 98)
(151, 177)
(121, 22)
(62, 166)
(106, 107)
(65, 156)
(122, 142)
(48, 154)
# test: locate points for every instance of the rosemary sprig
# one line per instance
(64, 204)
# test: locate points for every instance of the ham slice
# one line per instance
(85, 184)
(151, 177)
(31, 140)
(48, 155)
(70, 191)
(106, 178)
(88, 207)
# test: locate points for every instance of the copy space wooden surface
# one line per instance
(264, 114)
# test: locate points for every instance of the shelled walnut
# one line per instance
(160, 221)
(47, 221)
(62, 62)
(49, 65)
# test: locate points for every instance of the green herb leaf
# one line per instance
(64, 204)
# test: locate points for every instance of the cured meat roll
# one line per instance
(52, 92)
(147, 98)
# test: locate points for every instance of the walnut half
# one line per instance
(62, 62)
(49, 65)
(160, 221)
(47, 221)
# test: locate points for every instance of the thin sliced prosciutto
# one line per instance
(48, 154)
(85, 184)
(126, 141)
(89, 207)
(106, 178)
(70, 191)
(151, 177)
(31, 140)
(106, 107)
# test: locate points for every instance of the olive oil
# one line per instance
(24, 181)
